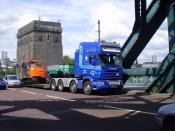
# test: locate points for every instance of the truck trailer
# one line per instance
(97, 66)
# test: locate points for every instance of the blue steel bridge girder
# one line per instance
(147, 22)
(171, 33)
(140, 13)
(171, 26)
(165, 81)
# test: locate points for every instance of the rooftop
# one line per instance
(42, 26)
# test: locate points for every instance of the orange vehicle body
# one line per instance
(35, 72)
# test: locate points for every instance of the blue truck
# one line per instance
(97, 66)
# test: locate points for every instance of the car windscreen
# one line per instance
(12, 78)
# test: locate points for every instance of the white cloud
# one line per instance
(112, 18)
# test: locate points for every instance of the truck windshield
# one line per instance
(109, 60)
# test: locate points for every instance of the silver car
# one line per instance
(12, 81)
(166, 117)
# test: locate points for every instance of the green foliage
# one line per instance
(68, 60)
(8, 72)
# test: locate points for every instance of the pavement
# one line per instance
(32, 109)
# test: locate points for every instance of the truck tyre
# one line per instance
(60, 86)
(53, 85)
(73, 87)
(87, 88)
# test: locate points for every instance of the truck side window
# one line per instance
(93, 60)
(86, 60)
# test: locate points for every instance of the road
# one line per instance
(31, 109)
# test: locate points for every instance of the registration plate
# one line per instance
(114, 84)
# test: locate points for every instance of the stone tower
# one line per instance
(40, 40)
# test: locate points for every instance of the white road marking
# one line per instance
(54, 97)
(29, 92)
(12, 89)
(60, 98)
(129, 110)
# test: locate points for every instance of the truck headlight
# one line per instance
(100, 83)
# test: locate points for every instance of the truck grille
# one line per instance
(111, 74)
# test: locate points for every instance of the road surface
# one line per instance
(31, 109)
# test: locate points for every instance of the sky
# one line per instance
(79, 22)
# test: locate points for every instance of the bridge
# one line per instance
(147, 22)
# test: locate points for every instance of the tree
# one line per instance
(68, 60)
(7, 72)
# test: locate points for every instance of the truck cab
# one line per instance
(98, 66)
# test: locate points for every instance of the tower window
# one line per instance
(48, 37)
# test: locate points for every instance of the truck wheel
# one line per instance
(87, 88)
(53, 85)
(60, 86)
(73, 87)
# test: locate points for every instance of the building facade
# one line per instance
(5, 61)
(4, 55)
(39, 40)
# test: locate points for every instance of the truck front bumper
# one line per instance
(107, 84)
